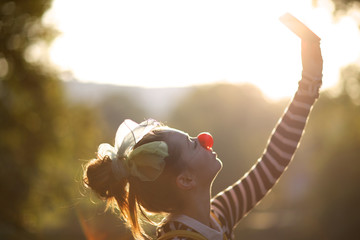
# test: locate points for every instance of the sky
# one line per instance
(168, 43)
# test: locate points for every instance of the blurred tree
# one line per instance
(40, 135)
(29, 100)
(345, 4)
(342, 5)
(350, 83)
(336, 170)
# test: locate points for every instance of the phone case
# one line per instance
(299, 28)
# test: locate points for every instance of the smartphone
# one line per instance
(299, 28)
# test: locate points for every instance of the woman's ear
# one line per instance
(185, 181)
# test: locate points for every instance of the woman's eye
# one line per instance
(193, 141)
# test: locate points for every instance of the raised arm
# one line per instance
(237, 200)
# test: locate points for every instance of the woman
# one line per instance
(157, 169)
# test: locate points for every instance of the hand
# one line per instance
(312, 61)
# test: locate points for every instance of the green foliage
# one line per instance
(350, 83)
(42, 137)
(345, 4)
(28, 97)
(342, 5)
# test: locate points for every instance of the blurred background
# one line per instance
(72, 71)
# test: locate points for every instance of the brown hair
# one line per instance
(133, 196)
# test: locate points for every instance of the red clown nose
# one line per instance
(206, 140)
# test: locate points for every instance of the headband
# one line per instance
(145, 162)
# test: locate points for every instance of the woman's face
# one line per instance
(201, 162)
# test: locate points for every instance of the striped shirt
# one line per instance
(232, 204)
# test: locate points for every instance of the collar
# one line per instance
(214, 233)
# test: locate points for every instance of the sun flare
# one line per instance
(181, 43)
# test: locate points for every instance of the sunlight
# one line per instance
(182, 43)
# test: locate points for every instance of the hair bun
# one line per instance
(99, 177)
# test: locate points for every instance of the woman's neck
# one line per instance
(197, 206)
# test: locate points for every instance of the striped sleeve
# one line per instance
(237, 200)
